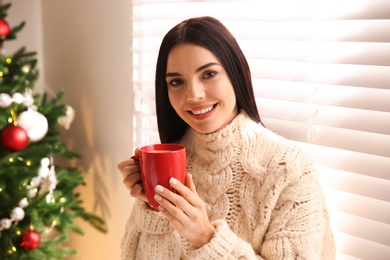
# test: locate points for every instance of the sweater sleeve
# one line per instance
(298, 230)
(225, 244)
(149, 235)
(299, 226)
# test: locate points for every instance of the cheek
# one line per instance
(229, 94)
(233, 97)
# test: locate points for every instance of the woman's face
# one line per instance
(199, 88)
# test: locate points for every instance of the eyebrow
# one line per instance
(175, 74)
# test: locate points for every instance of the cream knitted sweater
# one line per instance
(261, 193)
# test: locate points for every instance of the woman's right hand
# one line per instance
(132, 177)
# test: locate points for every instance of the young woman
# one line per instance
(249, 193)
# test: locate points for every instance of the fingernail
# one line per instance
(159, 188)
(161, 208)
(173, 181)
(157, 197)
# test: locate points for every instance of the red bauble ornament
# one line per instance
(4, 28)
(14, 138)
(30, 240)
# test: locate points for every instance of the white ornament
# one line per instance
(45, 162)
(28, 98)
(32, 193)
(66, 120)
(5, 100)
(18, 98)
(5, 223)
(50, 197)
(17, 214)
(44, 169)
(49, 184)
(23, 203)
(53, 177)
(35, 182)
(34, 123)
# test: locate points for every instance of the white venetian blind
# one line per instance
(321, 73)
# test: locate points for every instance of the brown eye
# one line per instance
(175, 82)
(209, 74)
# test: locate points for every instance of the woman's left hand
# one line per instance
(187, 212)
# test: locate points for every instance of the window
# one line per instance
(321, 73)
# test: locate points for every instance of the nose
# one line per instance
(195, 91)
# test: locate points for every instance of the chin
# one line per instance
(207, 130)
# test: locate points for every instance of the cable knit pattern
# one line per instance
(261, 193)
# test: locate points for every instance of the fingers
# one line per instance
(130, 178)
(130, 171)
(132, 181)
(190, 183)
(138, 191)
(128, 162)
(187, 212)
(175, 203)
(188, 191)
(123, 167)
(172, 212)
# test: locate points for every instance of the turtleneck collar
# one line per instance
(216, 140)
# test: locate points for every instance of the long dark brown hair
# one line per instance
(211, 34)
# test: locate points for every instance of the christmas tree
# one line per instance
(38, 201)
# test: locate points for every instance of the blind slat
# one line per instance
(323, 94)
(357, 141)
(359, 163)
(341, 117)
(361, 248)
(361, 53)
(359, 205)
(374, 231)
(340, 31)
(324, 73)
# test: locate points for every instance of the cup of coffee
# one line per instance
(158, 163)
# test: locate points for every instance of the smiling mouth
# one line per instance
(202, 111)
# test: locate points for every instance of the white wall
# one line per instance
(84, 48)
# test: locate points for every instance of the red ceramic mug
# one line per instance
(158, 163)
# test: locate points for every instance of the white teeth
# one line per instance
(202, 111)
